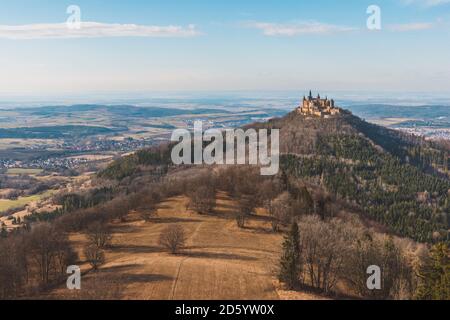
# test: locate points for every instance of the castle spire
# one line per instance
(310, 94)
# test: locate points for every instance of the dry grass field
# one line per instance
(19, 171)
(220, 261)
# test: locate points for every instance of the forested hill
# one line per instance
(399, 180)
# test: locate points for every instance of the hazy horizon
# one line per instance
(149, 98)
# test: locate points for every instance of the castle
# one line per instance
(318, 107)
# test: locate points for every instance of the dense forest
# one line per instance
(398, 180)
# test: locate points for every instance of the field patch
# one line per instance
(19, 171)
(22, 201)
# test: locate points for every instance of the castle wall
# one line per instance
(318, 107)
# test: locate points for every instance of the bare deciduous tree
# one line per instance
(173, 238)
(202, 199)
(280, 211)
(50, 250)
(99, 235)
(13, 268)
(370, 250)
(246, 206)
(95, 256)
(325, 250)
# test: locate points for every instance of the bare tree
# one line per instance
(240, 220)
(370, 250)
(13, 267)
(95, 256)
(173, 238)
(202, 199)
(119, 207)
(99, 235)
(325, 251)
(47, 247)
(280, 211)
(245, 209)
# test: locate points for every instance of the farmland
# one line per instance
(22, 201)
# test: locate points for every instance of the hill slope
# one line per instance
(398, 180)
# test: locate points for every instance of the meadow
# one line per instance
(219, 260)
(19, 171)
(23, 201)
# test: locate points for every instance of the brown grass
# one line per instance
(220, 261)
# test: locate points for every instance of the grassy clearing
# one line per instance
(17, 171)
(22, 201)
(220, 260)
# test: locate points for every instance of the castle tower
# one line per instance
(318, 107)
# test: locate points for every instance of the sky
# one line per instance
(222, 45)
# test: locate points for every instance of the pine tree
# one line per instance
(290, 262)
(435, 275)
(3, 232)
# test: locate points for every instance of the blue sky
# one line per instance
(223, 45)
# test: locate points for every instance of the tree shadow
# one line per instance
(227, 206)
(144, 278)
(173, 220)
(260, 230)
(123, 228)
(136, 249)
(256, 217)
(115, 269)
(216, 255)
(124, 275)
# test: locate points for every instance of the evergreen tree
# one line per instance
(290, 262)
(435, 275)
(3, 232)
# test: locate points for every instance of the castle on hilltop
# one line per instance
(318, 107)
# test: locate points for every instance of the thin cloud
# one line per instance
(411, 27)
(94, 30)
(297, 29)
(426, 3)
